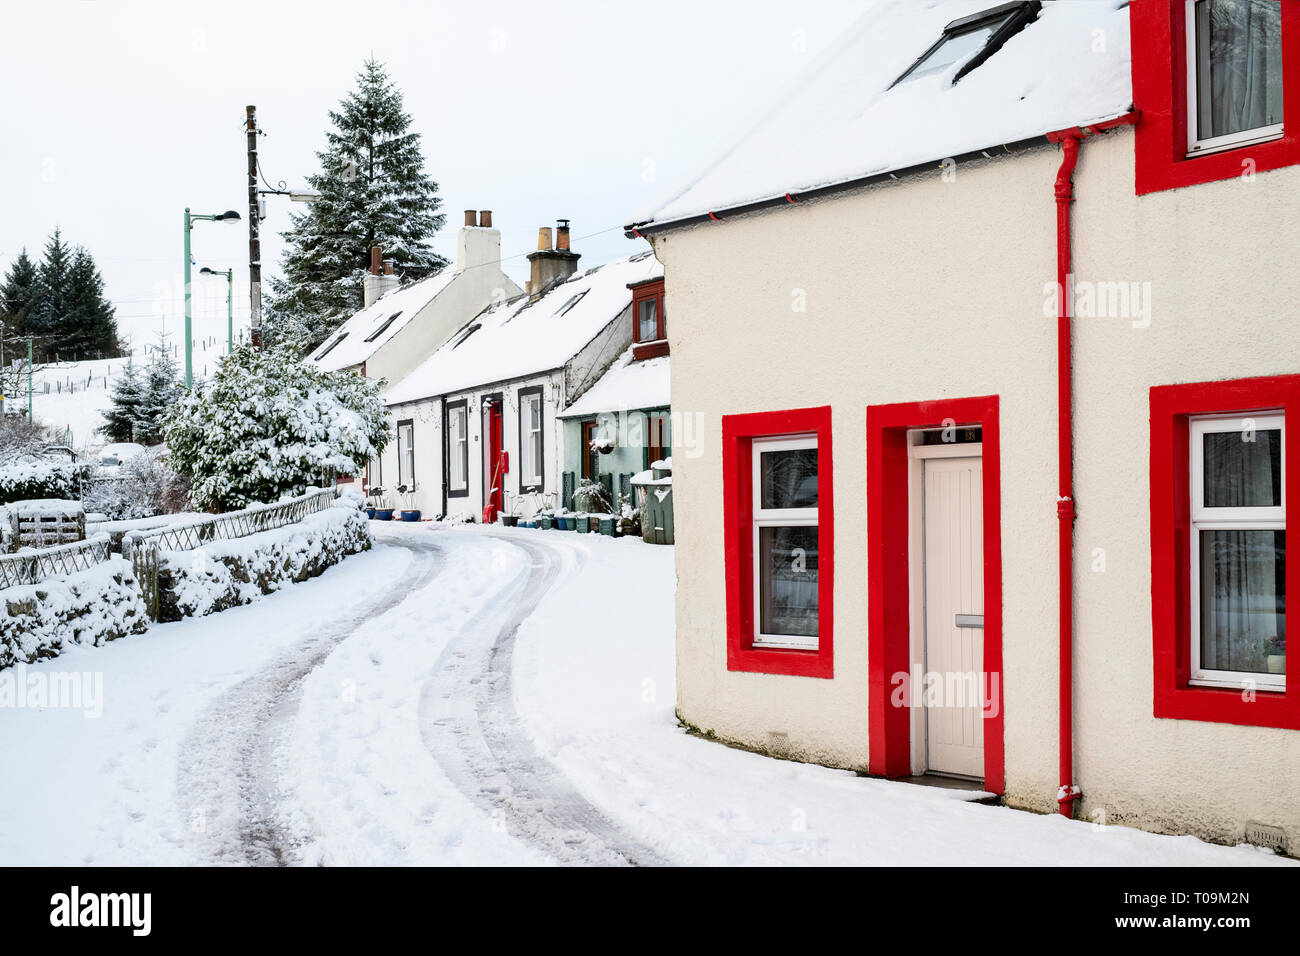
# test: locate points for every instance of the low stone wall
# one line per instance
(39, 621)
(226, 574)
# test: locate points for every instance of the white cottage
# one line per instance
(476, 422)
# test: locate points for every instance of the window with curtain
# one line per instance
(1238, 551)
(648, 325)
(530, 439)
(406, 455)
(457, 449)
(1234, 62)
(785, 542)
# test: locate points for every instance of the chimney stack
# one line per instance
(479, 244)
(550, 266)
(380, 280)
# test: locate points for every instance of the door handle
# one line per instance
(970, 620)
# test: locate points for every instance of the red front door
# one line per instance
(494, 499)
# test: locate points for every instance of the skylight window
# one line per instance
(332, 346)
(573, 300)
(380, 331)
(972, 40)
(466, 334)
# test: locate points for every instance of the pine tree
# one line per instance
(88, 329)
(159, 391)
(374, 192)
(53, 283)
(18, 294)
(121, 416)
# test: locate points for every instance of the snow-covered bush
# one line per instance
(268, 425)
(144, 486)
(225, 574)
(31, 478)
(38, 621)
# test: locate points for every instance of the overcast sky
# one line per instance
(119, 114)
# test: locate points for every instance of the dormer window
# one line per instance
(973, 39)
(649, 323)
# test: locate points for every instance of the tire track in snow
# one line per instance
(470, 724)
(231, 764)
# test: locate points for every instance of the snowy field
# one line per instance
(463, 696)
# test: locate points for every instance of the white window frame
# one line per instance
(778, 517)
(458, 448)
(532, 446)
(1271, 518)
(406, 455)
(1196, 146)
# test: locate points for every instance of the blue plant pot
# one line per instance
(413, 515)
(383, 514)
(370, 513)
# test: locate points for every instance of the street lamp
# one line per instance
(229, 216)
(230, 302)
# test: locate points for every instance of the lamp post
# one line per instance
(191, 218)
(230, 302)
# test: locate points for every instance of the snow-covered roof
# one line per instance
(367, 331)
(517, 339)
(627, 386)
(842, 122)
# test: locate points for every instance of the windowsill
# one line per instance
(775, 646)
(1236, 688)
(1214, 150)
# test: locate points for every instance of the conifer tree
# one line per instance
(88, 328)
(122, 414)
(374, 192)
(18, 294)
(159, 391)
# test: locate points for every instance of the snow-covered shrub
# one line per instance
(268, 425)
(31, 478)
(225, 574)
(144, 486)
(38, 621)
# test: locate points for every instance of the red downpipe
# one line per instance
(1069, 140)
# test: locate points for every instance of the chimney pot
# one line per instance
(471, 217)
(562, 234)
(376, 254)
(388, 267)
(544, 239)
(485, 218)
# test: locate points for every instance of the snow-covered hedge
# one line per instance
(38, 621)
(36, 478)
(225, 574)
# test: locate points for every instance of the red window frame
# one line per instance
(657, 346)
(738, 435)
(889, 577)
(1158, 35)
(1172, 406)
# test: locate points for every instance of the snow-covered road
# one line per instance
(464, 696)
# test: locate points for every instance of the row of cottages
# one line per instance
(502, 400)
(989, 329)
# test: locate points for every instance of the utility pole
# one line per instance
(254, 243)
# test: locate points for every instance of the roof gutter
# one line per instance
(1069, 139)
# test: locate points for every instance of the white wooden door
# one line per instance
(954, 615)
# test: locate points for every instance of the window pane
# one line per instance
(1243, 469)
(787, 565)
(1240, 65)
(957, 47)
(789, 478)
(1243, 601)
(649, 330)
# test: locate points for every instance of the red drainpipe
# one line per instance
(1069, 140)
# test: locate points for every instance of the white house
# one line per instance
(989, 330)
(475, 422)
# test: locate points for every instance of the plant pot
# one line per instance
(370, 513)
(383, 514)
(607, 526)
(584, 524)
(1277, 663)
(547, 523)
(510, 521)
(411, 514)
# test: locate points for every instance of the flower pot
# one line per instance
(370, 513)
(1277, 663)
(411, 514)
(584, 524)
(607, 526)
(383, 514)
(510, 521)
(546, 522)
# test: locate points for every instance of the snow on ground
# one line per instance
(465, 696)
